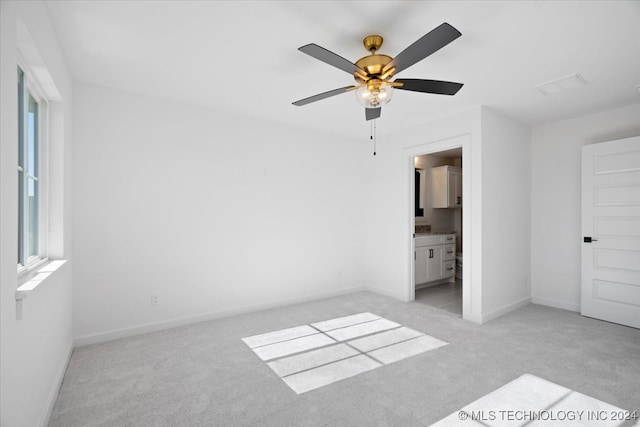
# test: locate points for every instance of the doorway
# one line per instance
(471, 220)
(438, 206)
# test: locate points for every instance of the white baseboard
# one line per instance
(556, 304)
(55, 389)
(386, 293)
(507, 308)
(186, 320)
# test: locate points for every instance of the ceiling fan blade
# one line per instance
(323, 95)
(372, 113)
(431, 42)
(330, 58)
(429, 86)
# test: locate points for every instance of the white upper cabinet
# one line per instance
(446, 186)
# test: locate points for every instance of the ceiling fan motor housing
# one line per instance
(372, 64)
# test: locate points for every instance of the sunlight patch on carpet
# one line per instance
(311, 356)
(533, 401)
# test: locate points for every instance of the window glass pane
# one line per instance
(33, 217)
(20, 217)
(28, 174)
(20, 165)
(20, 118)
(32, 137)
(32, 184)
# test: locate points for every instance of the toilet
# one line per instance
(459, 265)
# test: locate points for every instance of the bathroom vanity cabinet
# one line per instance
(435, 258)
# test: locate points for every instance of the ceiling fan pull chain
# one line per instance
(374, 137)
(371, 136)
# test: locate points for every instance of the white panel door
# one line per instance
(611, 220)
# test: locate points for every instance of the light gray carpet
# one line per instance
(205, 375)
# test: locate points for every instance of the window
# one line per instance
(30, 172)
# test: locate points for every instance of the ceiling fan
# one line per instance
(375, 71)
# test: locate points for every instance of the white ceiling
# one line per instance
(241, 56)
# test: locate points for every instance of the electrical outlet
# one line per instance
(154, 299)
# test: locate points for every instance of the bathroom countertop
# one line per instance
(435, 233)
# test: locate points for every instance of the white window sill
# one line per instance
(31, 278)
(26, 273)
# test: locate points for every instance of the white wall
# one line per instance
(506, 214)
(33, 351)
(496, 221)
(212, 212)
(389, 212)
(555, 199)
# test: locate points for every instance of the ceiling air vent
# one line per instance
(555, 86)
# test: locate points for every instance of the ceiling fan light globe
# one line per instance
(374, 97)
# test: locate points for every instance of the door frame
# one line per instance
(471, 279)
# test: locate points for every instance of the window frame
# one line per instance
(31, 87)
